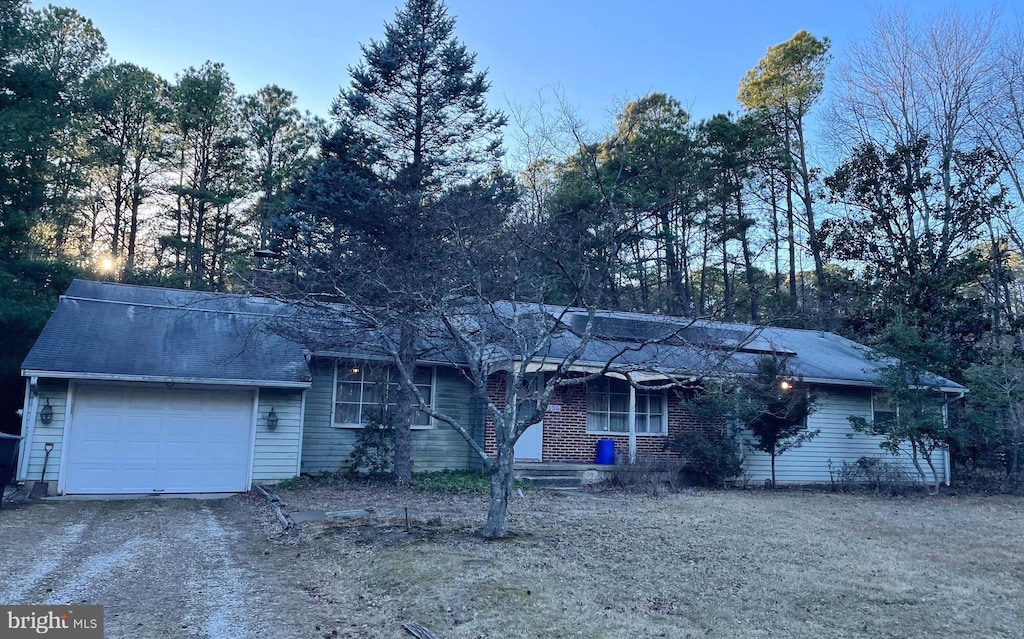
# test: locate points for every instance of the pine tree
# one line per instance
(417, 152)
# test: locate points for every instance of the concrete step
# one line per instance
(547, 472)
(546, 481)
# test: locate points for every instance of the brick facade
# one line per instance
(565, 431)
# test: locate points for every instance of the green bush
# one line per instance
(713, 456)
(373, 454)
(649, 475)
(871, 473)
(305, 481)
(456, 482)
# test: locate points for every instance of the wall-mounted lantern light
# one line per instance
(46, 413)
(272, 420)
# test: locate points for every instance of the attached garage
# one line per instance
(125, 439)
(137, 390)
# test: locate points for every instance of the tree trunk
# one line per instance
(404, 410)
(808, 198)
(791, 230)
(179, 211)
(915, 450)
(936, 480)
(115, 235)
(133, 222)
(196, 261)
(502, 480)
(791, 226)
(727, 292)
(687, 280)
(775, 235)
(748, 259)
(643, 284)
(672, 263)
(133, 234)
(772, 455)
(502, 470)
(702, 297)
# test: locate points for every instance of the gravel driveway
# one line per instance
(161, 567)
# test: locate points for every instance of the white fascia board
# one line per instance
(107, 377)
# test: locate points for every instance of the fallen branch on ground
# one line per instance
(275, 503)
(419, 631)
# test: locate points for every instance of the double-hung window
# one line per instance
(884, 412)
(367, 391)
(608, 408)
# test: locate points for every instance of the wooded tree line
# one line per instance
(108, 169)
(893, 220)
(907, 237)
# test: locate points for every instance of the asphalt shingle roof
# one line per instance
(817, 356)
(133, 332)
(115, 331)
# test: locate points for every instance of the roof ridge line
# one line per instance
(150, 287)
(166, 306)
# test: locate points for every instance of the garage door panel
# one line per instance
(100, 446)
(98, 478)
(182, 480)
(125, 440)
(146, 452)
(146, 400)
(106, 403)
(185, 428)
(134, 479)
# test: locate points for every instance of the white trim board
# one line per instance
(65, 438)
(107, 377)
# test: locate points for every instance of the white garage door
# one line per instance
(143, 440)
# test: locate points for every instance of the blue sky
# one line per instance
(599, 52)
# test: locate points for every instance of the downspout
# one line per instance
(28, 425)
(945, 425)
(632, 423)
(302, 428)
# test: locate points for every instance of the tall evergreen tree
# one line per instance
(787, 82)
(416, 138)
(280, 140)
(64, 49)
(210, 168)
(130, 108)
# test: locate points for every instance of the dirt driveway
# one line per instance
(161, 567)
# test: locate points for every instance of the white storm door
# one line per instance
(530, 446)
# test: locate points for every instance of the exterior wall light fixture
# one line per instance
(46, 413)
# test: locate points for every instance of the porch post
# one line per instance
(28, 426)
(948, 475)
(632, 424)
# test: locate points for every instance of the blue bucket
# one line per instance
(605, 451)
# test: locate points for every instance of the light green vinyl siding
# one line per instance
(277, 451)
(325, 448)
(56, 391)
(837, 443)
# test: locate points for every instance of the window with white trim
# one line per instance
(884, 412)
(364, 389)
(608, 408)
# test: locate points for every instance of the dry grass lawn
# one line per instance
(696, 564)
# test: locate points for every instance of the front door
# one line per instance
(529, 446)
